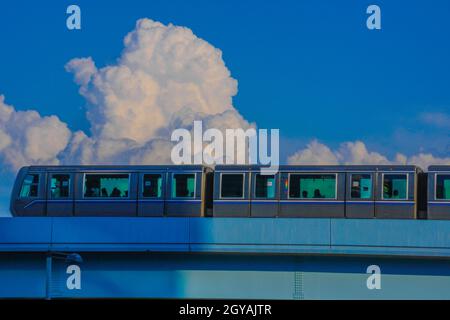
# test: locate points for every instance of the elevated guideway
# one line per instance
(224, 258)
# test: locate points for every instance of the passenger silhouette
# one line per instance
(395, 193)
(115, 193)
(305, 194)
(184, 192)
(317, 194)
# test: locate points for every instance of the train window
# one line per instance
(152, 186)
(395, 186)
(361, 186)
(312, 186)
(106, 185)
(30, 186)
(265, 186)
(183, 185)
(443, 186)
(59, 186)
(232, 185)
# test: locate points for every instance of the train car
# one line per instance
(439, 192)
(395, 191)
(242, 191)
(369, 191)
(111, 191)
(317, 191)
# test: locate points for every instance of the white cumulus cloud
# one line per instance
(165, 78)
(315, 153)
(357, 153)
(162, 70)
(28, 138)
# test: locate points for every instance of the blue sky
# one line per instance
(315, 62)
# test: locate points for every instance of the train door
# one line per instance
(151, 194)
(60, 194)
(264, 195)
(439, 193)
(360, 200)
(232, 194)
(395, 195)
(184, 194)
(31, 199)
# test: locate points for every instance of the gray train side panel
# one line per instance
(438, 211)
(264, 209)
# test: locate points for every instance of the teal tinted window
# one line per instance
(443, 186)
(395, 186)
(152, 186)
(59, 186)
(312, 186)
(265, 186)
(183, 185)
(30, 186)
(106, 185)
(361, 186)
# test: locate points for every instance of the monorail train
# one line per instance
(385, 192)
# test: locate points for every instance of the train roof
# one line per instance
(439, 168)
(236, 168)
(322, 168)
(120, 168)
